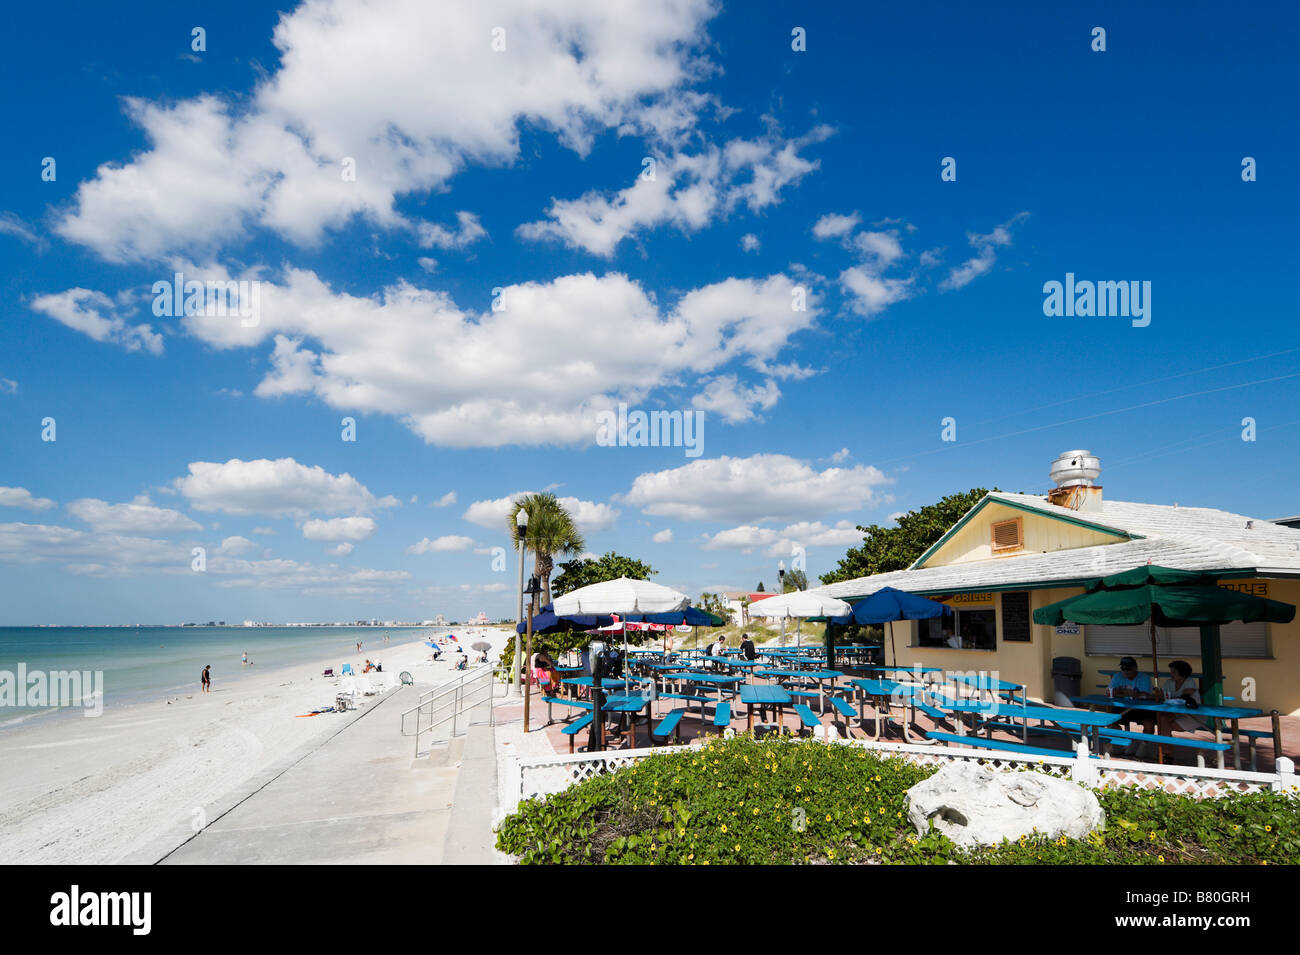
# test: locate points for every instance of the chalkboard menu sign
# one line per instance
(1015, 617)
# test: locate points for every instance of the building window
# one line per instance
(978, 629)
(1008, 535)
(937, 631)
(959, 630)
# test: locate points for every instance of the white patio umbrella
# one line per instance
(800, 604)
(622, 596)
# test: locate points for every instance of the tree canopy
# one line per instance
(896, 548)
(551, 532)
(582, 572)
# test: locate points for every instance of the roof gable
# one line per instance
(967, 539)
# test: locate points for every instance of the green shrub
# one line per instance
(779, 801)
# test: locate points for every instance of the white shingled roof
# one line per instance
(1188, 538)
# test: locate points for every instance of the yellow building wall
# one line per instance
(1276, 679)
(1017, 662)
(1041, 535)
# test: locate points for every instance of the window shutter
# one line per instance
(1237, 640)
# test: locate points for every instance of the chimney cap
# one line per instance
(1072, 468)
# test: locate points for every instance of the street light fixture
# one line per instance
(780, 575)
(521, 526)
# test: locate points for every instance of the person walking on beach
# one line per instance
(206, 679)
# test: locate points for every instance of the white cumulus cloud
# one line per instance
(279, 488)
(755, 489)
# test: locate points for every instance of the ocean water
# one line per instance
(150, 663)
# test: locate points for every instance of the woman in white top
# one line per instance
(1181, 686)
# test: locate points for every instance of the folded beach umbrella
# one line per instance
(888, 604)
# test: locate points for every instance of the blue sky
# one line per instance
(521, 170)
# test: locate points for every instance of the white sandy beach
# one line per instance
(79, 790)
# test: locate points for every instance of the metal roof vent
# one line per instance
(1075, 475)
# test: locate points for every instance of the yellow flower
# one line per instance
(756, 810)
(737, 849)
(724, 827)
(828, 817)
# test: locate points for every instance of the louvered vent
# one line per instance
(1006, 535)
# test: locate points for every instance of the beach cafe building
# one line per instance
(1014, 553)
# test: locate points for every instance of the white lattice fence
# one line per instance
(543, 776)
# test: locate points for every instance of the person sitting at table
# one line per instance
(1181, 686)
(747, 647)
(719, 647)
(1129, 683)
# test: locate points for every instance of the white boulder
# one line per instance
(975, 806)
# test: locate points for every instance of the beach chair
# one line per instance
(407, 679)
(347, 670)
(329, 672)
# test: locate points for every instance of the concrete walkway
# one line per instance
(357, 798)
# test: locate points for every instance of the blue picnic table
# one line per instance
(717, 681)
(763, 696)
(1216, 714)
(628, 704)
(884, 694)
(821, 676)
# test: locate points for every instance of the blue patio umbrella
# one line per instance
(889, 604)
(548, 622)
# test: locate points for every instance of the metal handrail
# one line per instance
(463, 697)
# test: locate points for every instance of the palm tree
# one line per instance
(551, 533)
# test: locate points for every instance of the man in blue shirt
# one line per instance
(1128, 682)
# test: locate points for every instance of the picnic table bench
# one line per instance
(1216, 714)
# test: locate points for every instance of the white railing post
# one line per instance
(1084, 771)
(1286, 781)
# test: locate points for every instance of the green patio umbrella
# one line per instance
(1168, 597)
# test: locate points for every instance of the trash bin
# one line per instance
(1067, 674)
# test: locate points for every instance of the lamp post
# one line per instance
(780, 576)
(534, 588)
(521, 525)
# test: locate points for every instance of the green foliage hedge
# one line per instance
(778, 800)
